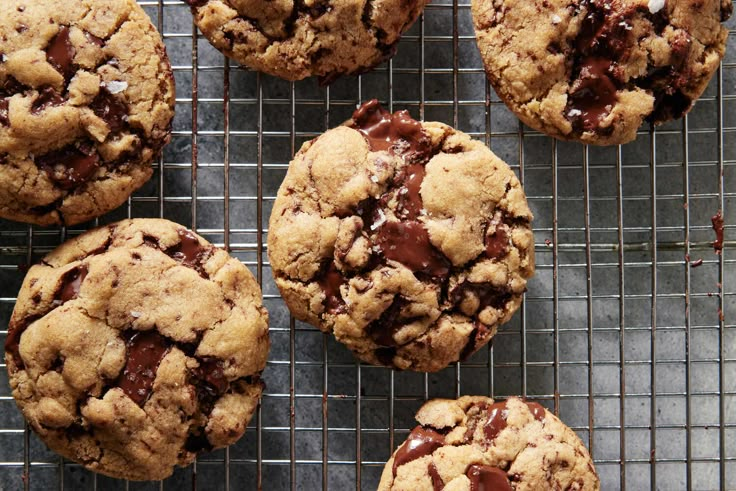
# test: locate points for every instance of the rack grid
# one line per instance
(629, 343)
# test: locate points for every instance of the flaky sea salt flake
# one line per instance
(116, 86)
(656, 5)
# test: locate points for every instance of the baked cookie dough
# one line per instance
(298, 39)
(135, 346)
(474, 443)
(86, 101)
(594, 70)
(410, 242)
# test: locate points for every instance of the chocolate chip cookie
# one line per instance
(135, 346)
(86, 101)
(298, 39)
(594, 70)
(475, 443)
(410, 242)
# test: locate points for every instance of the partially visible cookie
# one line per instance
(135, 346)
(86, 101)
(594, 70)
(298, 39)
(410, 242)
(474, 443)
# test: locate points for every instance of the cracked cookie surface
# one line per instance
(410, 242)
(295, 39)
(474, 443)
(595, 70)
(135, 346)
(86, 102)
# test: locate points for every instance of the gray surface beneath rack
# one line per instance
(613, 226)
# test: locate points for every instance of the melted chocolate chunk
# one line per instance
(410, 203)
(487, 478)
(536, 409)
(603, 29)
(145, 350)
(717, 222)
(397, 133)
(330, 281)
(488, 295)
(593, 95)
(189, 251)
(497, 243)
(382, 329)
(112, 110)
(385, 356)
(198, 442)
(196, 3)
(496, 420)
(48, 97)
(4, 113)
(477, 339)
(71, 166)
(421, 441)
(437, 483)
(497, 414)
(99, 42)
(210, 382)
(12, 341)
(71, 282)
(408, 243)
(60, 53)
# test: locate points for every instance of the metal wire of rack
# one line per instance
(619, 333)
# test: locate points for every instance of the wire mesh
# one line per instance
(633, 346)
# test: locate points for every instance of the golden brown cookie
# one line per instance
(594, 70)
(410, 242)
(474, 443)
(303, 38)
(135, 346)
(86, 101)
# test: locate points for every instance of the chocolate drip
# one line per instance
(48, 97)
(437, 483)
(71, 166)
(112, 110)
(330, 281)
(197, 442)
(408, 243)
(60, 53)
(70, 284)
(421, 441)
(145, 350)
(717, 221)
(397, 133)
(487, 478)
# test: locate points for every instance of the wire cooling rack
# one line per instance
(633, 347)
